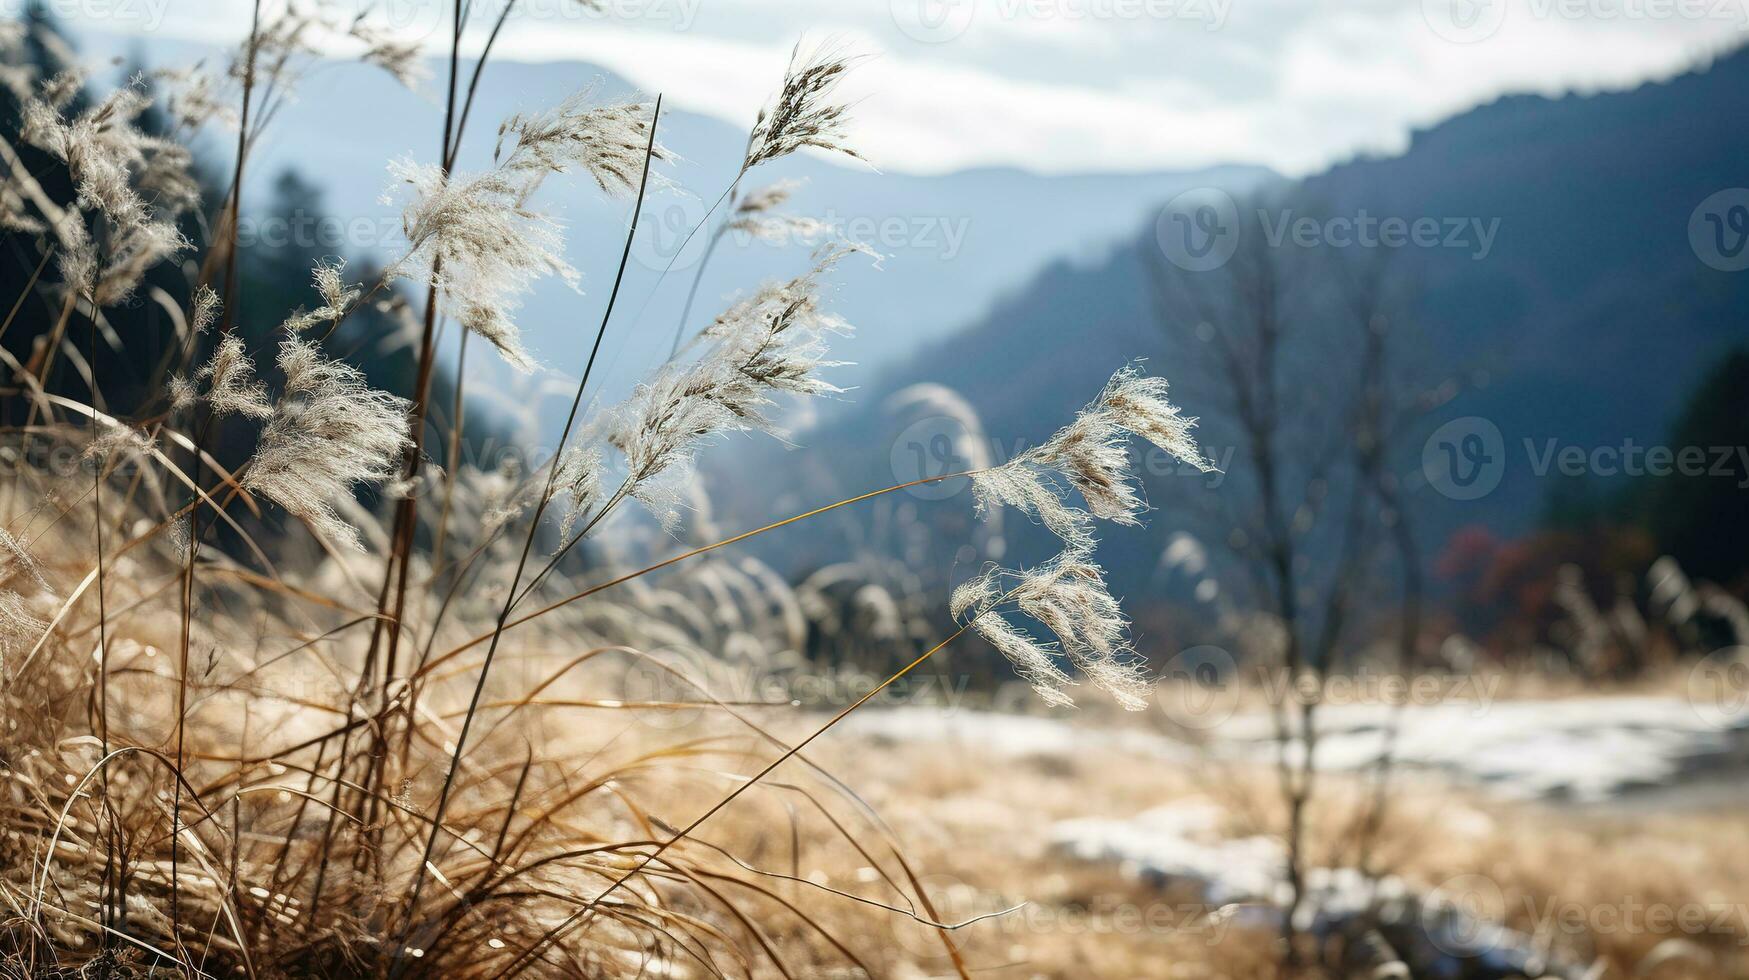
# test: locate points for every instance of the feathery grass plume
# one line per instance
(579, 479)
(495, 494)
(1138, 404)
(1091, 455)
(1035, 662)
(1036, 493)
(115, 169)
(475, 237)
(19, 624)
(204, 311)
(329, 432)
(337, 297)
(231, 385)
(803, 114)
(15, 215)
(193, 99)
(401, 59)
(757, 215)
(773, 341)
(472, 238)
(607, 142)
(1067, 596)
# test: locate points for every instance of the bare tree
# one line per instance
(1298, 352)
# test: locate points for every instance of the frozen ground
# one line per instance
(1434, 932)
(1585, 750)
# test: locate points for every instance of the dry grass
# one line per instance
(349, 752)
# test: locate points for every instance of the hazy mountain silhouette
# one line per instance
(1588, 321)
(952, 242)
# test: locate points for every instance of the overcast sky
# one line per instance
(1084, 85)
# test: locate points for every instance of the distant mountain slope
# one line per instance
(1588, 321)
(952, 242)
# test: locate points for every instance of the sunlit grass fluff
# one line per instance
(329, 432)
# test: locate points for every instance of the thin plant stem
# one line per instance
(683, 556)
(710, 249)
(443, 797)
(528, 956)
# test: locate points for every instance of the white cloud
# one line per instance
(1092, 85)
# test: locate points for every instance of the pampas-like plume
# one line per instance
(330, 431)
(231, 385)
(471, 237)
(116, 169)
(1033, 661)
(803, 114)
(1067, 596)
(579, 479)
(606, 142)
(400, 59)
(1091, 455)
(773, 341)
(337, 297)
(1138, 404)
(19, 626)
(204, 311)
(475, 237)
(757, 215)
